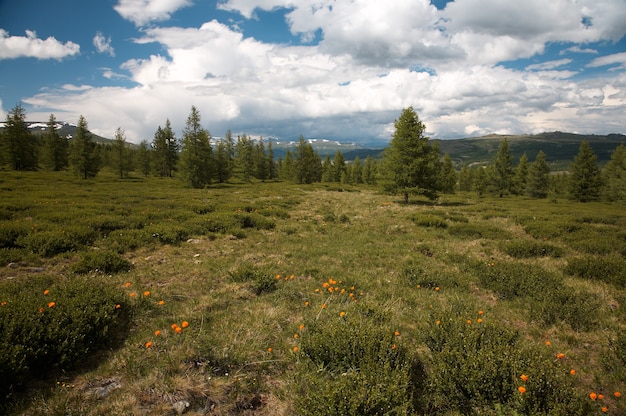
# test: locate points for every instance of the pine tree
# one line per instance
(260, 161)
(222, 162)
(121, 156)
(307, 164)
(17, 144)
(55, 150)
(480, 183)
(448, 175)
(339, 166)
(356, 173)
(520, 179)
(503, 170)
(245, 157)
(328, 172)
(615, 176)
(287, 168)
(84, 157)
(165, 150)
(271, 163)
(465, 178)
(369, 171)
(538, 177)
(585, 181)
(196, 155)
(411, 163)
(143, 158)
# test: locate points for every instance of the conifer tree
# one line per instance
(538, 177)
(143, 158)
(165, 150)
(271, 163)
(196, 155)
(287, 168)
(56, 148)
(17, 144)
(260, 161)
(328, 174)
(121, 156)
(448, 175)
(84, 155)
(411, 163)
(356, 171)
(307, 164)
(520, 179)
(585, 181)
(480, 182)
(615, 176)
(245, 157)
(503, 170)
(222, 162)
(339, 166)
(465, 178)
(369, 171)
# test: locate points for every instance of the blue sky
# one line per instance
(340, 69)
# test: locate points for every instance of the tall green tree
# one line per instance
(17, 144)
(411, 163)
(520, 179)
(614, 175)
(287, 168)
(55, 147)
(585, 180)
(245, 157)
(307, 164)
(222, 162)
(538, 177)
(196, 155)
(369, 171)
(84, 156)
(339, 166)
(260, 161)
(121, 156)
(271, 163)
(465, 178)
(328, 174)
(165, 151)
(503, 170)
(356, 171)
(143, 158)
(448, 175)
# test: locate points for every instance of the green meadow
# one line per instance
(142, 297)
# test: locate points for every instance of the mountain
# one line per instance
(64, 129)
(560, 148)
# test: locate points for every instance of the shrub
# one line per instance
(579, 309)
(513, 280)
(252, 220)
(262, 282)
(101, 261)
(10, 232)
(48, 243)
(522, 249)
(353, 365)
(610, 269)
(167, 232)
(44, 333)
(473, 231)
(428, 220)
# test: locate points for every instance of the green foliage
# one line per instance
(101, 261)
(84, 157)
(354, 365)
(538, 177)
(429, 220)
(11, 232)
(411, 163)
(524, 249)
(512, 280)
(503, 170)
(585, 180)
(17, 145)
(610, 269)
(57, 240)
(614, 176)
(43, 334)
(473, 231)
(196, 158)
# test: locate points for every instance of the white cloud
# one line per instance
(142, 12)
(103, 44)
(617, 58)
(548, 65)
(31, 46)
(578, 49)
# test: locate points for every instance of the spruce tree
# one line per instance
(448, 175)
(56, 148)
(465, 178)
(503, 170)
(538, 177)
(356, 171)
(222, 162)
(369, 171)
(615, 176)
(520, 179)
(339, 166)
(143, 158)
(245, 157)
(121, 156)
(328, 172)
(196, 155)
(411, 163)
(307, 163)
(84, 157)
(165, 150)
(585, 181)
(17, 144)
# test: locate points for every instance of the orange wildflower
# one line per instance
(127, 284)
(185, 324)
(560, 356)
(524, 377)
(323, 306)
(437, 322)
(572, 372)
(306, 303)
(593, 395)
(393, 347)
(397, 333)
(480, 312)
(437, 289)
(301, 327)
(604, 409)
(295, 336)
(270, 350)
(40, 310)
(521, 389)
(469, 321)
(157, 333)
(548, 343)
(148, 344)
(277, 277)
(295, 349)
(480, 321)
(617, 394)
(600, 396)
(325, 285)
(46, 292)
(118, 306)
(132, 295)
(51, 304)
(174, 326)
(178, 330)
(3, 303)
(146, 293)
(161, 302)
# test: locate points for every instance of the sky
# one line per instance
(335, 69)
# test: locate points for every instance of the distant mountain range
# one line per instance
(560, 147)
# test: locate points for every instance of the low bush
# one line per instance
(49, 325)
(517, 280)
(523, 249)
(610, 269)
(473, 231)
(10, 232)
(256, 221)
(429, 220)
(53, 241)
(353, 365)
(101, 261)
(168, 232)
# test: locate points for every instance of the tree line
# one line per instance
(411, 165)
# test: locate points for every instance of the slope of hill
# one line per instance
(63, 128)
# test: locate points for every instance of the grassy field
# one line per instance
(283, 299)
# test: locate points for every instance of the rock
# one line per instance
(181, 406)
(106, 389)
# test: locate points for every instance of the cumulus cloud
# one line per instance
(372, 60)
(31, 46)
(141, 12)
(103, 44)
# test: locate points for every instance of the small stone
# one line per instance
(181, 406)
